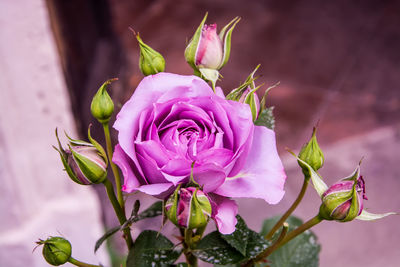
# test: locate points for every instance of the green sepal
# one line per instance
(173, 201)
(354, 207)
(76, 142)
(92, 171)
(251, 101)
(235, 94)
(200, 211)
(210, 75)
(102, 106)
(367, 216)
(264, 98)
(100, 149)
(354, 175)
(227, 40)
(191, 49)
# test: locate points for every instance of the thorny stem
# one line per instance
(81, 264)
(270, 249)
(290, 210)
(118, 211)
(113, 166)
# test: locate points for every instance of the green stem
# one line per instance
(191, 260)
(113, 166)
(81, 264)
(118, 211)
(307, 225)
(270, 249)
(290, 210)
(213, 86)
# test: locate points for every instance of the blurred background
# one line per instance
(338, 64)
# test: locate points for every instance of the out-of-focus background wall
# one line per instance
(338, 63)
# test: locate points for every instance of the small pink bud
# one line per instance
(209, 52)
(188, 208)
(343, 201)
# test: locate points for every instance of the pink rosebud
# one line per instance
(343, 201)
(209, 50)
(188, 208)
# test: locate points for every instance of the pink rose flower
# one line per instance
(173, 122)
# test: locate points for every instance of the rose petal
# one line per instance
(131, 180)
(263, 175)
(153, 150)
(224, 213)
(209, 176)
(157, 190)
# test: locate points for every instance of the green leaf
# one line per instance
(154, 210)
(302, 251)
(239, 238)
(255, 244)
(109, 233)
(214, 249)
(266, 118)
(152, 249)
(182, 264)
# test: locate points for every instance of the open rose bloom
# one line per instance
(176, 125)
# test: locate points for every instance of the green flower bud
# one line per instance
(102, 106)
(56, 250)
(312, 154)
(84, 162)
(188, 208)
(150, 61)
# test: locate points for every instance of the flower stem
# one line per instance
(118, 211)
(81, 264)
(187, 234)
(270, 249)
(113, 166)
(305, 226)
(290, 210)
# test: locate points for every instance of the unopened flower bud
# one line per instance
(150, 61)
(343, 201)
(84, 162)
(207, 51)
(312, 154)
(102, 106)
(188, 208)
(56, 250)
